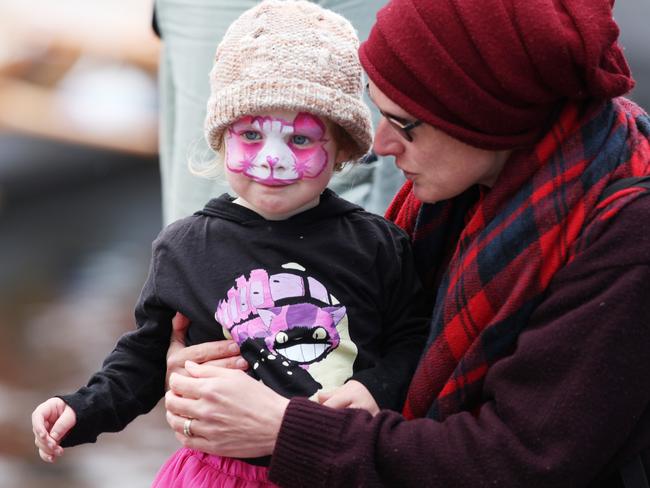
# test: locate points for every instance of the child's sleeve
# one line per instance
(407, 315)
(132, 378)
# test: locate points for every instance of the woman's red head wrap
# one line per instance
(492, 72)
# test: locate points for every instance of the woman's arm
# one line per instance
(568, 408)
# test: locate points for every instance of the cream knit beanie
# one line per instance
(290, 55)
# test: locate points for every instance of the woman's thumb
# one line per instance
(179, 326)
(180, 322)
(323, 396)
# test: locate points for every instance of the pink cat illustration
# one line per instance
(302, 332)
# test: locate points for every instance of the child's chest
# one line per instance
(284, 302)
(302, 327)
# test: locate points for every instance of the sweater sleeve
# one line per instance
(132, 377)
(404, 328)
(567, 408)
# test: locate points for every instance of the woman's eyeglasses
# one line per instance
(402, 126)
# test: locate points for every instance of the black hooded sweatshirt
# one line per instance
(327, 295)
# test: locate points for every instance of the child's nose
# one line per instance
(274, 164)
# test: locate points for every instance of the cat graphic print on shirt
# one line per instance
(292, 331)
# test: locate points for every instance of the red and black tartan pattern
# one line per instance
(500, 249)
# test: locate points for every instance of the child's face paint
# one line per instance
(279, 162)
(275, 151)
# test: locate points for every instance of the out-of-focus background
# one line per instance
(79, 206)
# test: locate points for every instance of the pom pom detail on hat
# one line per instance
(290, 55)
(491, 73)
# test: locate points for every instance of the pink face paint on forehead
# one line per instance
(264, 148)
(309, 125)
(242, 124)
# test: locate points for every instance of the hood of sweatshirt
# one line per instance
(330, 206)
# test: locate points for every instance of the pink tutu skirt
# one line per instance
(194, 469)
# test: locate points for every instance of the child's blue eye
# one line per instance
(299, 140)
(251, 135)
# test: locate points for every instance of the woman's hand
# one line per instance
(352, 394)
(233, 414)
(218, 353)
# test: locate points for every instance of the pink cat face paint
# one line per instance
(274, 151)
(279, 162)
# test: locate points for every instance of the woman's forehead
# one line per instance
(385, 104)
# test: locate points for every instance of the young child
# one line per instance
(315, 290)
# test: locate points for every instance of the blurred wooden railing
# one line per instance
(38, 51)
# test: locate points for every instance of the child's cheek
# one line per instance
(239, 155)
(310, 162)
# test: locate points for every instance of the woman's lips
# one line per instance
(407, 174)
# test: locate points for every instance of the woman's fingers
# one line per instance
(211, 370)
(179, 328)
(352, 394)
(183, 405)
(323, 396)
(223, 354)
(188, 393)
(196, 385)
(337, 401)
(234, 362)
(201, 444)
(207, 351)
(219, 399)
(177, 423)
(204, 438)
(179, 325)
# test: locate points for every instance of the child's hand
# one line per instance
(350, 395)
(51, 420)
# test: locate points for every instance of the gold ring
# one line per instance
(187, 428)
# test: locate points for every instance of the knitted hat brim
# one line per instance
(253, 97)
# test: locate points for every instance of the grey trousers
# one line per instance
(191, 30)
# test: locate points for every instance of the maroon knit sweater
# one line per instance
(566, 409)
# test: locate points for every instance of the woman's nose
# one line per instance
(387, 142)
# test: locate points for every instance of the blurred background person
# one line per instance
(79, 206)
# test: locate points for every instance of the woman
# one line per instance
(505, 117)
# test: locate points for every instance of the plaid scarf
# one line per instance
(491, 254)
